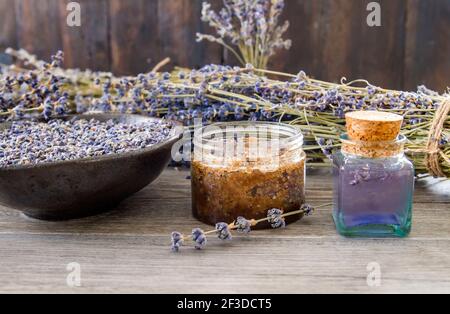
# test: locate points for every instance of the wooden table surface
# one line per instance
(127, 250)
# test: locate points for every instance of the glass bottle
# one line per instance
(374, 185)
(245, 169)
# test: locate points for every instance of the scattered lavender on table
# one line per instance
(28, 142)
(223, 231)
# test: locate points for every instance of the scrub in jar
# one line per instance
(246, 169)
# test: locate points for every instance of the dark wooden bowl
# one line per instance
(73, 189)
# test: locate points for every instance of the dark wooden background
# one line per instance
(331, 37)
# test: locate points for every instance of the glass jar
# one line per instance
(374, 185)
(245, 169)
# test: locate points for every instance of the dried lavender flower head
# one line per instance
(199, 237)
(248, 24)
(223, 231)
(307, 209)
(177, 241)
(243, 225)
(275, 218)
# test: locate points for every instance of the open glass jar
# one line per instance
(245, 169)
(374, 185)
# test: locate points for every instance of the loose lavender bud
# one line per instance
(177, 241)
(199, 237)
(275, 218)
(32, 142)
(243, 225)
(223, 231)
(307, 209)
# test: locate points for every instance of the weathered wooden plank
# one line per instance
(165, 206)
(87, 46)
(332, 39)
(38, 26)
(179, 21)
(7, 25)
(427, 44)
(260, 264)
(135, 44)
(127, 250)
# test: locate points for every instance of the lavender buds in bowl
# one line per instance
(81, 165)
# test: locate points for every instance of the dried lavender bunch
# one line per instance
(224, 93)
(275, 217)
(252, 26)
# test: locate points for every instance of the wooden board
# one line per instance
(331, 38)
(127, 250)
(428, 44)
(38, 26)
(87, 46)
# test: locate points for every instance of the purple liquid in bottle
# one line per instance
(373, 197)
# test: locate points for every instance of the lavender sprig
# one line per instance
(250, 26)
(275, 217)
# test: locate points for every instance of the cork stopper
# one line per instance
(373, 126)
(373, 134)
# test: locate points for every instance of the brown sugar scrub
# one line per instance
(245, 169)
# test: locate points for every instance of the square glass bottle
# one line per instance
(373, 179)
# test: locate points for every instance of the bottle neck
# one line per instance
(374, 149)
(365, 156)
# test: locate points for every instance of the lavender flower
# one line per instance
(248, 25)
(223, 231)
(217, 92)
(177, 241)
(243, 225)
(48, 109)
(25, 140)
(307, 209)
(199, 237)
(275, 218)
(18, 111)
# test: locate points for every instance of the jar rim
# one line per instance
(292, 134)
